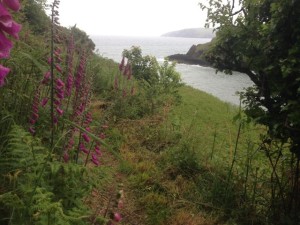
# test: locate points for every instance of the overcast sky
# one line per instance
(131, 17)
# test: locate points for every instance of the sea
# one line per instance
(220, 85)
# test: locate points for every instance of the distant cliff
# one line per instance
(191, 33)
(194, 56)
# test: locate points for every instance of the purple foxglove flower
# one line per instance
(7, 24)
(94, 156)
(86, 137)
(59, 111)
(46, 79)
(12, 4)
(34, 116)
(13, 28)
(121, 66)
(44, 102)
(59, 83)
(31, 130)
(3, 72)
(95, 161)
(83, 148)
(98, 151)
(32, 121)
(57, 102)
(5, 45)
(66, 157)
(55, 120)
(60, 95)
(58, 68)
(49, 60)
(117, 217)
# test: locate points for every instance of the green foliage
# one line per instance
(155, 86)
(184, 160)
(36, 16)
(261, 39)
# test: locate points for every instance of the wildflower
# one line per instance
(44, 102)
(7, 24)
(3, 72)
(5, 45)
(121, 66)
(59, 83)
(98, 150)
(58, 68)
(86, 137)
(59, 111)
(117, 217)
(66, 157)
(95, 159)
(83, 148)
(46, 79)
(31, 130)
(12, 4)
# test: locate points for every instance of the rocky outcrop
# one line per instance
(195, 56)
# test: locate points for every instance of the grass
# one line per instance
(178, 166)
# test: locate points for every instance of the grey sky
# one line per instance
(131, 17)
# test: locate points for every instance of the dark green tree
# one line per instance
(261, 38)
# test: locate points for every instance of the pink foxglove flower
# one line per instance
(66, 157)
(31, 130)
(3, 72)
(46, 79)
(5, 45)
(117, 217)
(7, 24)
(86, 137)
(12, 4)
(95, 159)
(58, 68)
(83, 148)
(121, 66)
(98, 150)
(44, 102)
(59, 111)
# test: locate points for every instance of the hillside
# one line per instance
(191, 33)
(195, 55)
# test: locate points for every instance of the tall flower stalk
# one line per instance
(54, 22)
(7, 27)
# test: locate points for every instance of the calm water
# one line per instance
(204, 78)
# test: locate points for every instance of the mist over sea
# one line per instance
(204, 78)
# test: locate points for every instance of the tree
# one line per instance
(261, 38)
(143, 67)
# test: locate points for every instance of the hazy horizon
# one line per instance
(132, 17)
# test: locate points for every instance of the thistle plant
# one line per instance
(8, 27)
